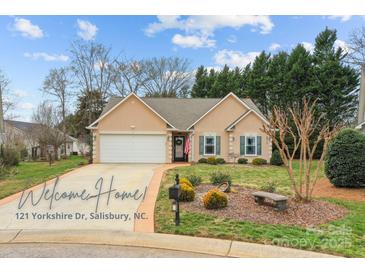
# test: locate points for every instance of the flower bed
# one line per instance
(241, 206)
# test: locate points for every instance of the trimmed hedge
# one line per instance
(202, 161)
(242, 161)
(220, 161)
(345, 161)
(212, 161)
(259, 162)
(186, 181)
(275, 159)
(187, 193)
(215, 199)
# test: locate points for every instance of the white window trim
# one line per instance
(214, 146)
(255, 154)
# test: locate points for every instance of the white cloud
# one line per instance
(342, 44)
(232, 39)
(342, 18)
(308, 46)
(274, 47)
(87, 31)
(209, 23)
(27, 29)
(46, 57)
(192, 41)
(20, 93)
(202, 27)
(25, 106)
(234, 58)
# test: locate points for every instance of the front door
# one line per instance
(179, 145)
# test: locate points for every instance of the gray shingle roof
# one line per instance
(179, 112)
(23, 126)
(20, 124)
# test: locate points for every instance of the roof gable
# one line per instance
(114, 104)
(231, 94)
(243, 116)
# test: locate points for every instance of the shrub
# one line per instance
(218, 177)
(195, 179)
(215, 199)
(275, 159)
(9, 157)
(220, 161)
(202, 161)
(23, 154)
(212, 161)
(187, 193)
(269, 187)
(259, 162)
(345, 161)
(186, 182)
(242, 161)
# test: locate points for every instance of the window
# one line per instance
(251, 145)
(209, 145)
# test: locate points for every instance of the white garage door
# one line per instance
(132, 148)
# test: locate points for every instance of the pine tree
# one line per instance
(334, 83)
(199, 88)
(259, 86)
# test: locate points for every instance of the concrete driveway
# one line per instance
(82, 200)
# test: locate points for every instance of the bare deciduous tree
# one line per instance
(129, 76)
(48, 135)
(57, 84)
(305, 125)
(156, 77)
(167, 77)
(92, 66)
(356, 52)
(6, 104)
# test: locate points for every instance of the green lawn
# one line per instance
(246, 175)
(28, 174)
(344, 237)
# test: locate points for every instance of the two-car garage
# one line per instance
(132, 148)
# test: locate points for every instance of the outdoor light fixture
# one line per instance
(174, 206)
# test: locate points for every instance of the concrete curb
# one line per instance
(226, 248)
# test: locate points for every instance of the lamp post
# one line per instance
(174, 192)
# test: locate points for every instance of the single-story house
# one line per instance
(137, 129)
(24, 134)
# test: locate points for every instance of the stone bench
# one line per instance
(280, 201)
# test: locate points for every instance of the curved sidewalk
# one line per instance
(226, 248)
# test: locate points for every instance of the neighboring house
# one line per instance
(24, 134)
(164, 130)
(79, 147)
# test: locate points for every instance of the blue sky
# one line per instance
(31, 45)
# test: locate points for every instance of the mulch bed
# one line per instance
(325, 189)
(242, 206)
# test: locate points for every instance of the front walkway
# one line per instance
(128, 185)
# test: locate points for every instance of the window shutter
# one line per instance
(218, 145)
(259, 150)
(242, 145)
(201, 145)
